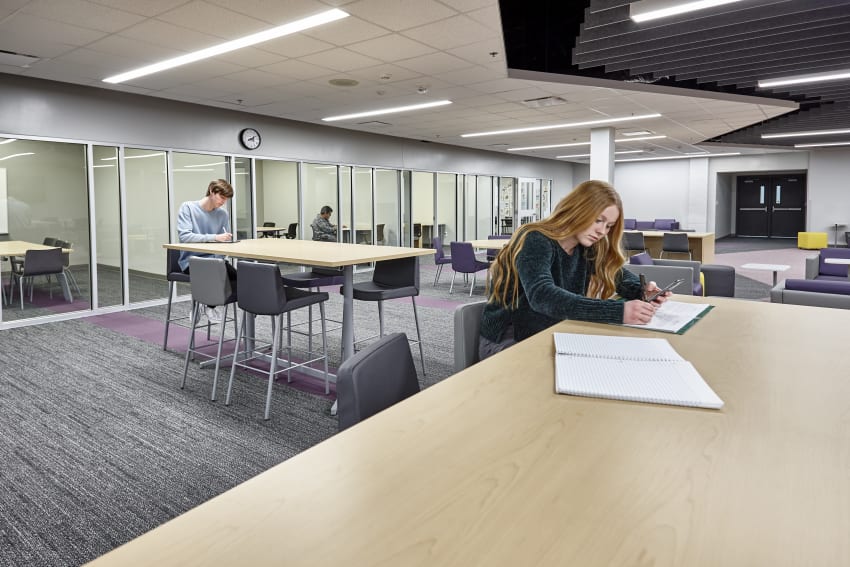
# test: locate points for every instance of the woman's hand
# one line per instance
(651, 289)
(638, 312)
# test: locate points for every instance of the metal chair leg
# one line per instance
(418, 335)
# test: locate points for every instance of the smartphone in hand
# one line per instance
(666, 288)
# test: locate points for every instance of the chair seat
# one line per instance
(371, 291)
(443, 260)
(310, 279)
(298, 298)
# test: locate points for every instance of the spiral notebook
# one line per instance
(627, 368)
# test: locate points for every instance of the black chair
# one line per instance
(374, 379)
(211, 286)
(440, 258)
(291, 232)
(465, 262)
(316, 278)
(719, 280)
(633, 242)
(46, 262)
(66, 260)
(392, 279)
(173, 274)
(262, 292)
(379, 236)
(676, 242)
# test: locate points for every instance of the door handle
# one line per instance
(787, 208)
(753, 209)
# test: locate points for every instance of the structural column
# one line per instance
(602, 154)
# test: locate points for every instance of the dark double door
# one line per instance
(772, 206)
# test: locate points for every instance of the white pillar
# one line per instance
(602, 154)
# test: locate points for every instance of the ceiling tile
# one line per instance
(252, 79)
(347, 31)
(489, 18)
(83, 14)
(294, 69)
(391, 47)
(489, 52)
(204, 17)
(294, 46)
(400, 14)
(340, 59)
(148, 8)
(434, 63)
(467, 5)
(166, 34)
(451, 32)
(26, 25)
(470, 75)
(273, 12)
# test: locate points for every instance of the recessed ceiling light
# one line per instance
(564, 125)
(588, 155)
(228, 46)
(636, 133)
(387, 110)
(822, 145)
(658, 137)
(803, 79)
(683, 8)
(805, 133)
(343, 82)
(679, 157)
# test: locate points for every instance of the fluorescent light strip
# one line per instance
(573, 144)
(805, 133)
(17, 155)
(804, 79)
(679, 157)
(228, 46)
(680, 9)
(387, 111)
(822, 145)
(9, 141)
(557, 126)
(588, 155)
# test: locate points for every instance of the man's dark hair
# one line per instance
(325, 210)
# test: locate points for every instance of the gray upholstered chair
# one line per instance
(467, 322)
(719, 280)
(676, 242)
(392, 279)
(173, 274)
(262, 292)
(210, 286)
(46, 262)
(316, 278)
(633, 242)
(374, 379)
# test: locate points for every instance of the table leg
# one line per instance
(775, 273)
(347, 317)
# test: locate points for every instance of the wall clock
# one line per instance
(250, 138)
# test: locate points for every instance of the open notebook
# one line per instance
(627, 368)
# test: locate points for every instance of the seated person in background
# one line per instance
(568, 266)
(207, 220)
(322, 227)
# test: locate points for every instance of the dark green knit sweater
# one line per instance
(553, 287)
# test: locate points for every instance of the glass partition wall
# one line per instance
(124, 202)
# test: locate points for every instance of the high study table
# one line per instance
(492, 467)
(701, 243)
(313, 253)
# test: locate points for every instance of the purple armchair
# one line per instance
(440, 258)
(818, 269)
(464, 262)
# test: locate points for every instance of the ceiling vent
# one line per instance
(545, 101)
(17, 59)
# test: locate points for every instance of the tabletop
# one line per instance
(329, 254)
(494, 244)
(492, 467)
(20, 247)
(771, 267)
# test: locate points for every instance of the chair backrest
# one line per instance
(439, 254)
(172, 259)
(675, 242)
(66, 256)
(642, 259)
(463, 258)
(400, 272)
(665, 224)
(326, 271)
(41, 262)
(293, 228)
(208, 281)
(629, 224)
(839, 270)
(377, 377)
(49, 241)
(417, 229)
(261, 290)
(379, 237)
(269, 223)
(467, 320)
(633, 241)
(663, 275)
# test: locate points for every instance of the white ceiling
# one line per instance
(453, 49)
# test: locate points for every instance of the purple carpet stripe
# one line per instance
(151, 331)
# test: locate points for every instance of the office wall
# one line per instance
(653, 190)
(32, 107)
(829, 191)
(724, 199)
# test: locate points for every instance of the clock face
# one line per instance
(250, 138)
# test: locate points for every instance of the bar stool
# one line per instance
(210, 286)
(173, 274)
(317, 277)
(262, 292)
(392, 279)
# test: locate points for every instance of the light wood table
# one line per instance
(494, 244)
(313, 253)
(701, 243)
(491, 467)
(274, 231)
(13, 248)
